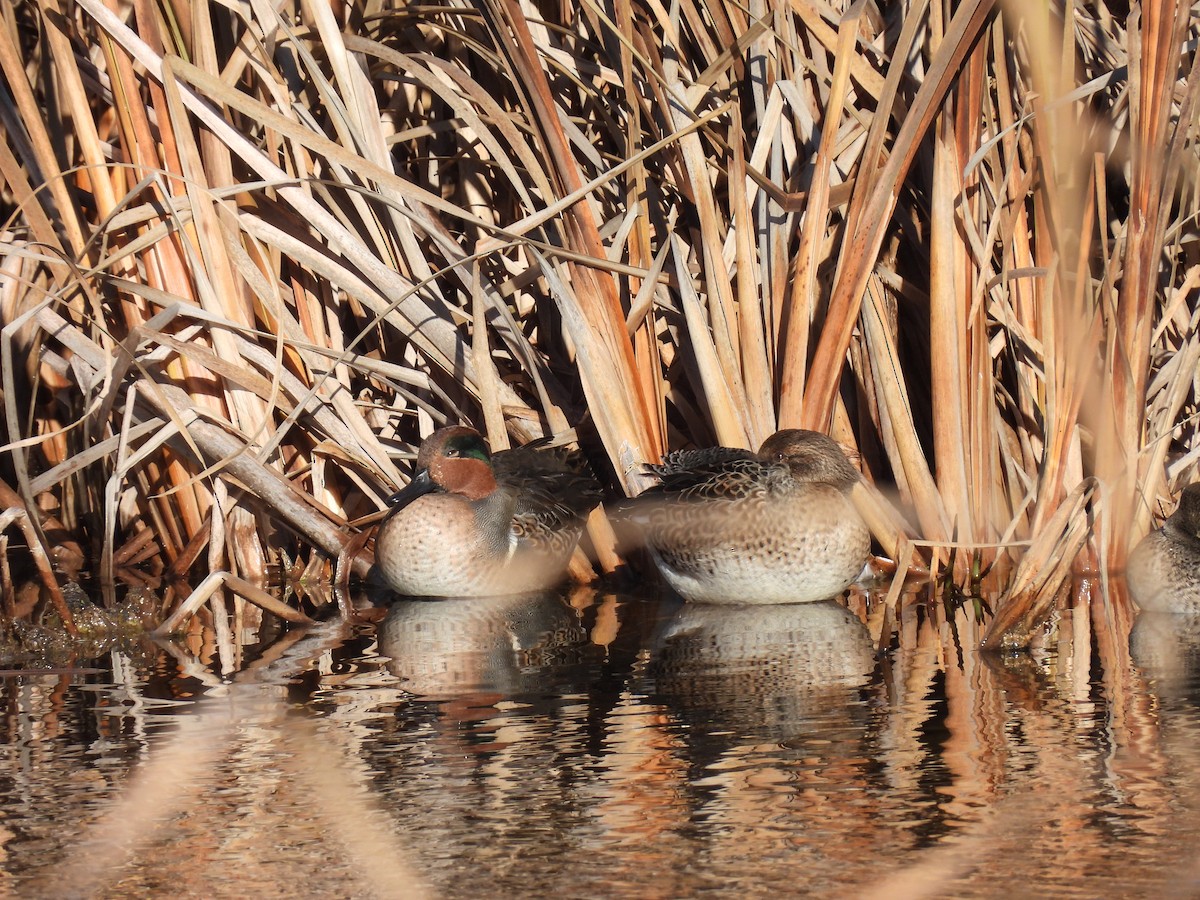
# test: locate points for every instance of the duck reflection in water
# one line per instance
(505, 645)
(1165, 646)
(767, 671)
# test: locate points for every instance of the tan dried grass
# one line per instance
(275, 247)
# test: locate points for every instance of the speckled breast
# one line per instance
(793, 550)
(437, 547)
(1163, 574)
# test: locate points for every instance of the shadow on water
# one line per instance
(608, 744)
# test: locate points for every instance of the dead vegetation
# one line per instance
(253, 252)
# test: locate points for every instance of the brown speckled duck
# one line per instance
(470, 524)
(776, 526)
(1164, 569)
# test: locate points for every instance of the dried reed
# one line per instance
(271, 246)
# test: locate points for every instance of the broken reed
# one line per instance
(251, 254)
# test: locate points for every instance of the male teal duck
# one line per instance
(777, 526)
(471, 524)
(1163, 573)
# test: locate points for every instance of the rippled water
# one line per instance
(603, 745)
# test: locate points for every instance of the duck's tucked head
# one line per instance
(811, 457)
(454, 460)
(1187, 515)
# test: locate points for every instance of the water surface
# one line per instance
(588, 744)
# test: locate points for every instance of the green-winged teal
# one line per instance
(470, 524)
(1164, 569)
(777, 526)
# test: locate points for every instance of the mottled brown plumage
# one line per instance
(1164, 569)
(777, 526)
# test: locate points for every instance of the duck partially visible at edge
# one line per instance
(473, 524)
(1163, 572)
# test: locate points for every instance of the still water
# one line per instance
(606, 745)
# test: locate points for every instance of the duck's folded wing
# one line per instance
(710, 474)
(554, 488)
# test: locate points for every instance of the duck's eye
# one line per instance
(451, 451)
(780, 456)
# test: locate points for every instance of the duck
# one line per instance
(726, 525)
(1163, 571)
(474, 524)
